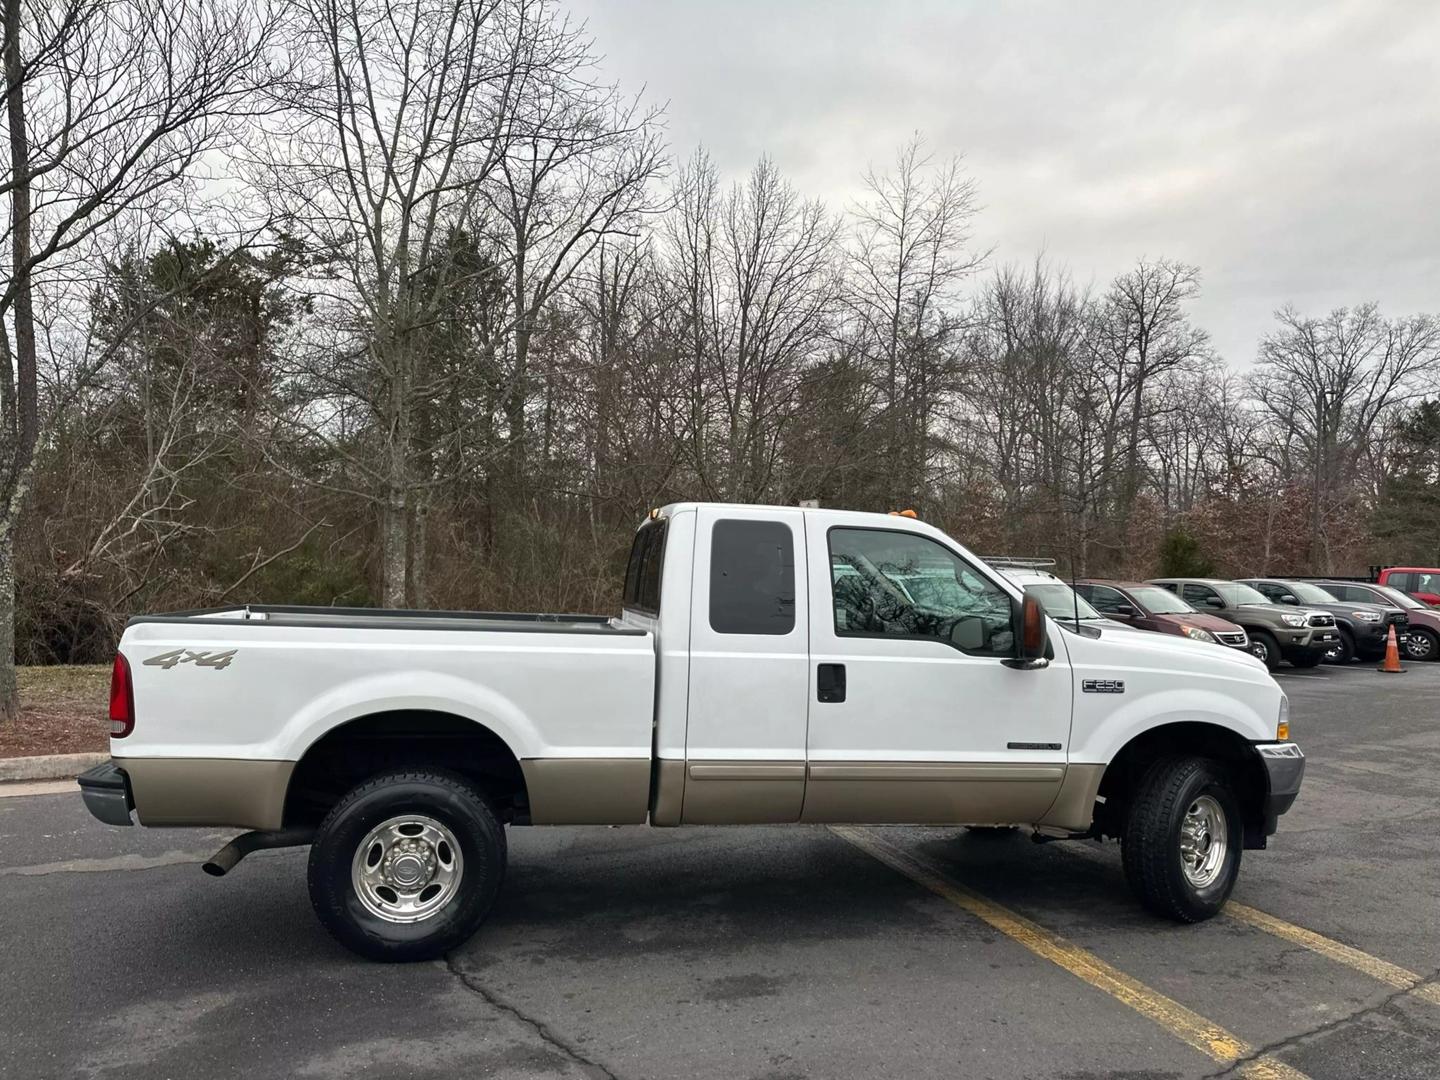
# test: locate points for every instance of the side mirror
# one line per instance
(1289, 598)
(1215, 602)
(1032, 640)
(1124, 611)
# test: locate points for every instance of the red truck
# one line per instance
(1421, 582)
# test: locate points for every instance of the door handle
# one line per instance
(830, 683)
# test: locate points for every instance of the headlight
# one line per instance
(1282, 722)
(1367, 616)
(1197, 634)
(1292, 620)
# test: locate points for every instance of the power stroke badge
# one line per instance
(1103, 686)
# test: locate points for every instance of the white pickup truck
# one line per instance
(770, 665)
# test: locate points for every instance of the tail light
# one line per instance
(122, 699)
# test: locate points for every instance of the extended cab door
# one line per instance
(749, 668)
(913, 715)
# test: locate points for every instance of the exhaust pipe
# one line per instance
(224, 860)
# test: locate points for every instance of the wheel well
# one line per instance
(346, 755)
(1231, 751)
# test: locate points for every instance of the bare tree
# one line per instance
(579, 167)
(1329, 384)
(1144, 330)
(441, 147)
(110, 108)
(755, 271)
(911, 233)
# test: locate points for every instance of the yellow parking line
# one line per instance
(1381, 970)
(1188, 1026)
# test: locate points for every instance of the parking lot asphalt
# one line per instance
(779, 952)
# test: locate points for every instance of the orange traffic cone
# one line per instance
(1391, 666)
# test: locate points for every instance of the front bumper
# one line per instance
(1307, 641)
(1284, 769)
(106, 791)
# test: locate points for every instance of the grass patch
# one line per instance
(54, 683)
(63, 710)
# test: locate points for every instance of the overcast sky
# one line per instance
(1290, 150)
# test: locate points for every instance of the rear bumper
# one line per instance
(106, 791)
(1284, 770)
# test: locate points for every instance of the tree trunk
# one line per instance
(395, 549)
(9, 691)
(20, 441)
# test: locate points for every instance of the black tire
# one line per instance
(1344, 652)
(448, 799)
(1151, 851)
(1309, 659)
(1422, 644)
(1264, 647)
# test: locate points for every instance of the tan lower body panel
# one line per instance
(587, 791)
(669, 795)
(744, 792)
(244, 793)
(930, 793)
(1074, 808)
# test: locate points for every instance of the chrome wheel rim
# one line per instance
(1417, 647)
(406, 869)
(1203, 842)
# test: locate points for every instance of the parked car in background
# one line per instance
(1421, 582)
(1422, 636)
(1299, 635)
(1059, 600)
(1363, 626)
(1149, 607)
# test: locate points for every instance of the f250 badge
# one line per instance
(167, 660)
(1103, 686)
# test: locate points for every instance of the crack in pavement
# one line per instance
(540, 1028)
(1322, 1029)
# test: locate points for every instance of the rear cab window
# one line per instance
(752, 577)
(642, 571)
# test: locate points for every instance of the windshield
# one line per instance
(1160, 601)
(1060, 602)
(1398, 598)
(1311, 594)
(1235, 593)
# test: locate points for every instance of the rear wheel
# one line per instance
(1182, 841)
(1422, 644)
(1343, 651)
(407, 865)
(1265, 648)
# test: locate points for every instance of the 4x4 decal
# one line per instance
(167, 660)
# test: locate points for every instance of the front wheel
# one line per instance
(1343, 651)
(1265, 648)
(407, 865)
(1422, 644)
(1183, 836)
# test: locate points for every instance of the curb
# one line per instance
(49, 766)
